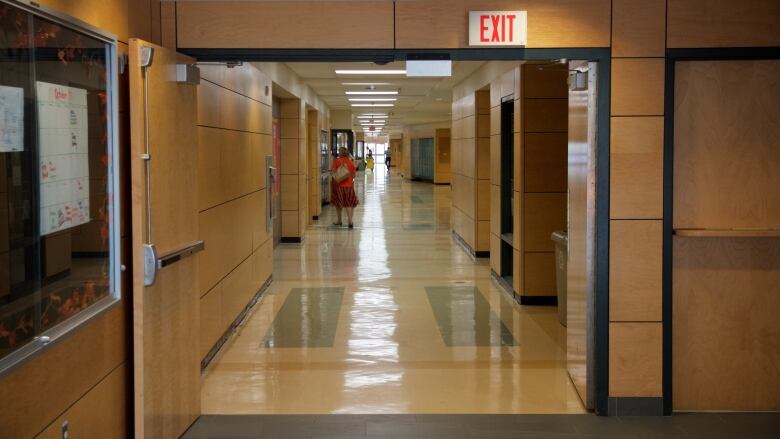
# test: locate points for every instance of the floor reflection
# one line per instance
(391, 347)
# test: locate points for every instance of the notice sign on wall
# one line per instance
(64, 155)
(11, 119)
(498, 28)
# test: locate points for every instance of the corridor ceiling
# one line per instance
(420, 101)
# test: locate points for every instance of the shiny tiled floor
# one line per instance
(391, 317)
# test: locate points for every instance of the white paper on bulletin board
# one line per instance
(64, 156)
(11, 119)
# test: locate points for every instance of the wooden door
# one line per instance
(165, 214)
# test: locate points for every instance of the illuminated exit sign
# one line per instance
(498, 28)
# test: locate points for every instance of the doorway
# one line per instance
(427, 217)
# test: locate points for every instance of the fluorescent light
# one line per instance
(373, 105)
(365, 83)
(373, 99)
(370, 72)
(372, 117)
(370, 92)
(373, 114)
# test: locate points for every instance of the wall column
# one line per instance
(636, 207)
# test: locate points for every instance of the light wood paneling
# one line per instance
(166, 314)
(483, 158)
(545, 115)
(635, 255)
(495, 253)
(539, 274)
(542, 214)
(290, 160)
(282, 25)
(635, 357)
(495, 159)
(210, 314)
(552, 23)
(723, 23)
(726, 145)
(483, 200)
(636, 167)
(237, 289)
(111, 15)
(726, 334)
(94, 351)
(495, 209)
(483, 125)
(290, 223)
(637, 87)
(638, 28)
(518, 269)
(289, 195)
(102, 412)
(483, 236)
(545, 159)
(495, 120)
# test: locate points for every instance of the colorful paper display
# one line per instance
(64, 156)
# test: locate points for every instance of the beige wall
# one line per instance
(234, 136)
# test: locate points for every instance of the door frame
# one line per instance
(671, 58)
(601, 55)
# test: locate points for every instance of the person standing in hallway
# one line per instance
(342, 194)
(387, 160)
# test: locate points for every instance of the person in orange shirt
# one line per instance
(342, 193)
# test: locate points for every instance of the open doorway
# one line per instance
(390, 316)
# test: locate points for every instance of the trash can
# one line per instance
(560, 238)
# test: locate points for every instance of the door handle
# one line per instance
(153, 263)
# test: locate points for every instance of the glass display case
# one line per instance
(58, 233)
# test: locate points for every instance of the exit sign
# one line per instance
(498, 28)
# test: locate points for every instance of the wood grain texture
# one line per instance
(545, 159)
(723, 23)
(635, 359)
(551, 23)
(635, 249)
(638, 28)
(726, 345)
(542, 215)
(545, 115)
(111, 15)
(210, 314)
(167, 314)
(726, 141)
(637, 87)
(539, 274)
(102, 412)
(544, 81)
(281, 25)
(636, 167)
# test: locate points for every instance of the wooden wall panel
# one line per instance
(726, 345)
(723, 23)
(551, 23)
(545, 115)
(635, 358)
(638, 28)
(539, 274)
(210, 313)
(94, 350)
(545, 159)
(726, 116)
(635, 256)
(542, 215)
(282, 25)
(111, 15)
(636, 167)
(102, 412)
(637, 87)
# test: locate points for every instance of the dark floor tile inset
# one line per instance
(308, 318)
(464, 318)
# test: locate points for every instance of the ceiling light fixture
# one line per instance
(368, 92)
(365, 83)
(373, 105)
(371, 72)
(373, 99)
(375, 116)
